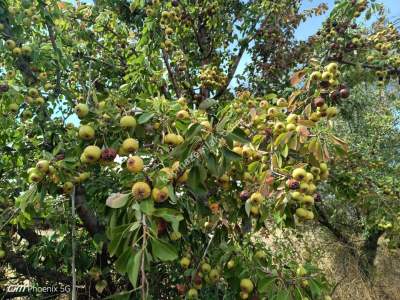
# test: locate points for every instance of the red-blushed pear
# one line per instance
(141, 190)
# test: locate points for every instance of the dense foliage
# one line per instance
(130, 150)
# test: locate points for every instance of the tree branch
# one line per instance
(20, 265)
(171, 74)
(233, 67)
(87, 217)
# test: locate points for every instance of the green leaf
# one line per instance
(230, 155)
(122, 261)
(117, 200)
(283, 295)
(239, 135)
(163, 251)
(270, 96)
(145, 117)
(315, 288)
(147, 207)
(280, 139)
(265, 284)
(170, 215)
(193, 131)
(212, 165)
(133, 268)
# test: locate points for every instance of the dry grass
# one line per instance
(341, 268)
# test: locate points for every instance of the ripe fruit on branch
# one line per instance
(82, 110)
(319, 101)
(292, 118)
(327, 76)
(205, 268)
(315, 76)
(160, 195)
(176, 235)
(293, 184)
(10, 44)
(214, 275)
(134, 164)
(185, 262)
(127, 122)
(35, 176)
(304, 213)
(34, 93)
(173, 139)
(182, 115)
(92, 153)
(108, 154)
(332, 68)
(86, 132)
(256, 198)
(246, 285)
(192, 294)
(17, 51)
(67, 187)
(230, 264)
(43, 166)
(282, 102)
(331, 112)
(141, 190)
(130, 145)
(299, 174)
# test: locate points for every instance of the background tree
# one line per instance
(130, 165)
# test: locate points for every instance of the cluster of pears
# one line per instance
(167, 21)
(36, 174)
(24, 50)
(28, 12)
(303, 188)
(211, 275)
(210, 76)
(256, 200)
(141, 190)
(180, 60)
(206, 274)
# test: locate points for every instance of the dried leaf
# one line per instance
(297, 77)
